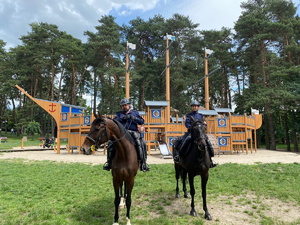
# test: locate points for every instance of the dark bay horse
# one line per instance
(125, 162)
(194, 162)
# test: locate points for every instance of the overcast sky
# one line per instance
(77, 16)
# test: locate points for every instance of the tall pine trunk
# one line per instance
(294, 132)
(287, 136)
(272, 141)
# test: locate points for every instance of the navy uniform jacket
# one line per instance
(188, 120)
(132, 123)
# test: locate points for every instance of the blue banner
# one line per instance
(76, 110)
(65, 109)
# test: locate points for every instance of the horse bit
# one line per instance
(101, 134)
(99, 137)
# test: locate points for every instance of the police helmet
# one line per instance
(195, 102)
(124, 101)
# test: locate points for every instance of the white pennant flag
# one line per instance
(170, 37)
(208, 51)
(131, 46)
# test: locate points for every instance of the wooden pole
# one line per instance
(168, 81)
(206, 81)
(127, 74)
(22, 143)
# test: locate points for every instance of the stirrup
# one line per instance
(176, 158)
(144, 167)
(107, 166)
(212, 165)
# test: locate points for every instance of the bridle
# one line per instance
(101, 131)
(201, 139)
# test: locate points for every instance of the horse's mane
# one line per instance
(124, 131)
(97, 120)
(121, 128)
(201, 122)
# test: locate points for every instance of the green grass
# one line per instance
(44, 192)
(16, 141)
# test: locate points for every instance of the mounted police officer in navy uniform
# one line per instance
(130, 119)
(186, 138)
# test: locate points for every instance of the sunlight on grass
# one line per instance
(73, 193)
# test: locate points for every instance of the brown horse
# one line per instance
(195, 161)
(125, 162)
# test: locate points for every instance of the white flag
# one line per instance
(170, 37)
(208, 51)
(131, 46)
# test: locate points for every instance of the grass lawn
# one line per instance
(16, 141)
(44, 192)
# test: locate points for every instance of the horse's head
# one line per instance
(96, 136)
(198, 131)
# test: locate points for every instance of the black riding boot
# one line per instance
(143, 156)
(176, 147)
(211, 152)
(111, 151)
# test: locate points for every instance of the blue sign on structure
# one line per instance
(222, 141)
(64, 116)
(87, 119)
(222, 122)
(156, 113)
(171, 139)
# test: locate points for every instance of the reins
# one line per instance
(104, 130)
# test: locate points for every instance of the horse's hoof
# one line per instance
(186, 196)
(193, 213)
(208, 216)
(128, 222)
(115, 223)
(177, 196)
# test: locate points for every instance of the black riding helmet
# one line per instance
(195, 102)
(124, 101)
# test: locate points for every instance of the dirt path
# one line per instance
(262, 155)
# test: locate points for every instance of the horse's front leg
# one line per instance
(177, 176)
(192, 192)
(122, 196)
(128, 191)
(204, 179)
(183, 177)
(117, 202)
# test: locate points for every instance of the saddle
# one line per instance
(183, 145)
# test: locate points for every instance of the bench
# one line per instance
(3, 139)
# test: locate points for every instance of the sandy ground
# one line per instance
(262, 156)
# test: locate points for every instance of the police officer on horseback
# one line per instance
(130, 120)
(186, 139)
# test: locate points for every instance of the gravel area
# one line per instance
(262, 156)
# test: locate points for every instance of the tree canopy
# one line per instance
(258, 65)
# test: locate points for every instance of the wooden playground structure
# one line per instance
(232, 133)
(228, 133)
